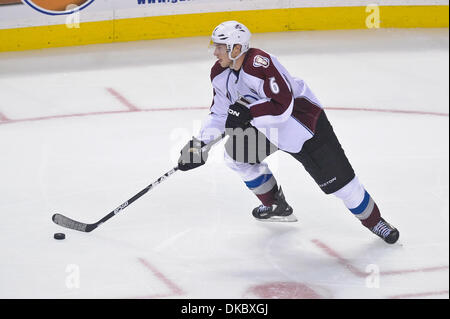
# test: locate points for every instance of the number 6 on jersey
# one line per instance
(274, 86)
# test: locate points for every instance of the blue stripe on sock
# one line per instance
(362, 206)
(258, 181)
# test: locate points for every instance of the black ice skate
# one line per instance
(280, 211)
(386, 231)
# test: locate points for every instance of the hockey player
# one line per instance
(264, 109)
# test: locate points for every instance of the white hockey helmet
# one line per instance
(231, 33)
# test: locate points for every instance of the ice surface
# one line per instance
(71, 141)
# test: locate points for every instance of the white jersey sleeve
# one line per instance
(212, 127)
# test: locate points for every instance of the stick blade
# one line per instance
(64, 221)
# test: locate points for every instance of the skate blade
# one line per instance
(291, 218)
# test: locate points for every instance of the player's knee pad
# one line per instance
(245, 170)
(360, 203)
(351, 194)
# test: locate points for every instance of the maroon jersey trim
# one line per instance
(306, 112)
(216, 70)
(259, 64)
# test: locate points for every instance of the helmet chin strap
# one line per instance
(234, 59)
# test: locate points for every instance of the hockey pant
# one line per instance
(323, 158)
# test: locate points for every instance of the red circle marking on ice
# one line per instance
(283, 290)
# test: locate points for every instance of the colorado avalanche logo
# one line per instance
(261, 61)
(58, 7)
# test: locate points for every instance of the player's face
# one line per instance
(220, 52)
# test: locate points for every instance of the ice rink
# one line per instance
(83, 129)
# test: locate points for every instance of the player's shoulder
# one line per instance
(216, 70)
(257, 62)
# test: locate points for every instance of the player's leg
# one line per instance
(244, 154)
(325, 160)
(363, 207)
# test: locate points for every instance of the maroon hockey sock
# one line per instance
(268, 198)
(373, 218)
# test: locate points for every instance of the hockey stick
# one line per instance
(64, 221)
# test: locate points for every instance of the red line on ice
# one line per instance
(329, 251)
(191, 108)
(123, 100)
(400, 272)
(385, 111)
(421, 294)
(51, 117)
(3, 118)
(170, 284)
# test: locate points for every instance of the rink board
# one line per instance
(201, 24)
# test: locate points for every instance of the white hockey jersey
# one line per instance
(283, 107)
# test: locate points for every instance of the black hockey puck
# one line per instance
(59, 236)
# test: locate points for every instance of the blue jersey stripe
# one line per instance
(251, 96)
(362, 206)
(258, 181)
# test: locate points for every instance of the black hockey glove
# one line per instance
(239, 115)
(192, 155)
